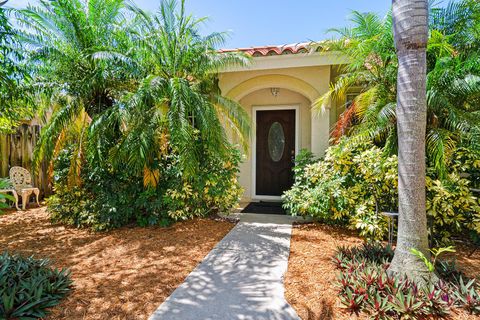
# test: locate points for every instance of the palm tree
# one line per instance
(452, 85)
(410, 29)
(453, 91)
(14, 103)
(79, 50)
(177, 107)
(462, 20)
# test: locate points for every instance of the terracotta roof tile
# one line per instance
(294, 48)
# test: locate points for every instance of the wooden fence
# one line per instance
(16, 149)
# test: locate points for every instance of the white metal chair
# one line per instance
(22, 183)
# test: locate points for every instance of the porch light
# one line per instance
(275, 91)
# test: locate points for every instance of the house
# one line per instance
(277, 90)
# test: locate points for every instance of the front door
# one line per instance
(275, 151)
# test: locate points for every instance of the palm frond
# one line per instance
(439, 145)
(68, 111)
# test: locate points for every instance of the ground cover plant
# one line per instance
(366, 287)
(29, 286)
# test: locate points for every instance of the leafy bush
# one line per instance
(365, 286)
(214, 189)
(355, 182)
(350, 186)
(28, 287)
(467, 163)
(4, 184)
(452, 206)
(109, 198)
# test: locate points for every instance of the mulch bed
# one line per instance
(121, 274)
(309, 282)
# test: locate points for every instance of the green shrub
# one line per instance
(110, 198)
(466, 162)
(355, 182)
(468, 296)
(451, 206)
(4, 184)
(28, 287)
(304, 159)
(350, 186)
(214, 189)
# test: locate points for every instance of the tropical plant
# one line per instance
(82, 66)
(459, 21)
(355, 183)
(110, 198)
(178, 106)
(468, 296)
(29, 287)
(139, 132)
(351, 186)
(452, 207)
(4, 184)
(14, 102)
(147, 87)
(450, 108)
(431, 262)
(365, 287)
(411, 38)
(453, 85)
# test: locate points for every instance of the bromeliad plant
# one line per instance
(468, 296)
(365, 287)
(29, 287)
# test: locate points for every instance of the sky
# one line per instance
(268, 22)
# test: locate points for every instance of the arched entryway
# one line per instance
(279, 103)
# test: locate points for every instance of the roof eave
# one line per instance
(290, 61)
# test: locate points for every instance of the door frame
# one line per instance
(255, 196)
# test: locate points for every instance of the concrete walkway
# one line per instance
(241, 278)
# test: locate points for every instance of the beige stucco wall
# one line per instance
(299, 86)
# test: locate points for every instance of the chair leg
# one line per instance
(37, 194)
(15, 195)
(25, 199)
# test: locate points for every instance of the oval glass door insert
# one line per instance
(276, 141)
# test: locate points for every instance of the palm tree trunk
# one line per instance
(410, 28)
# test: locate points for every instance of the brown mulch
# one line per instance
(121, 274)
(309, 282)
